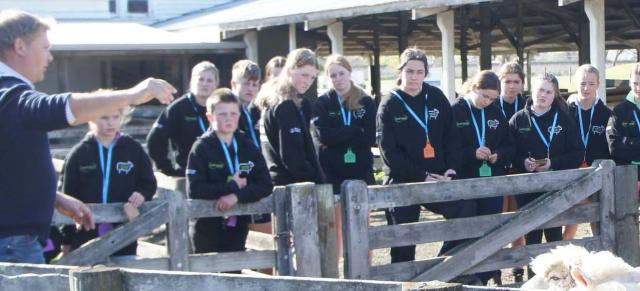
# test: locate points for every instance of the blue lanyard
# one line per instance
(346, 118)
(551, 132)
(233, 167)
(515, 106)
(195, 109)
(252, 131)
(635, 115)
(585, 139)
(479, 135)
(106, 169)
(425, 124)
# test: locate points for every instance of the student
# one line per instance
(224, 164)
(418, 142)
(245, 82)
(344, 129)
(487, 144)
(273, 68)
(286, 141)
(105, 167)
(546, 139)
(511, 101)
(623, 132)
(591, 115)
(182, 122)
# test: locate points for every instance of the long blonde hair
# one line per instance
(355, 93)
(280, 88)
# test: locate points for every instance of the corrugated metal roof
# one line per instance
(246, 14)
(88, 36)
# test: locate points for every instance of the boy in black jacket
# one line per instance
(182, 122)
(623, 132)
(106, 167)
(225, 165)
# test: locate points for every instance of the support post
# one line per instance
(95, 279)
(293, 37)
(607, 207)
(485, 36)
(464, 61)
(335, 33)
(626, 214)
(529, 71)
(177, 230)
(303, 207)
(355, 229)
(403, 31)
(445, 22)
(520, 34)
(251, 41)
(595, 12)
(327, 231)
(282, 231)
(375, 74)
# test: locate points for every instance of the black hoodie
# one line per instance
(243, 124)
(623, 134)
(402, 139)
(287, 145)
(497, 138)
(334, 138)
(81, 178)
(180, 125)
(597, 146)
(508, 110)
(566, 150)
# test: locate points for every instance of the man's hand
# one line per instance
(493, 158)
(483, 153)
(152, 88)
(136, 199)
(241, 182)
(75, 209)
(544, 167)
(225, 202)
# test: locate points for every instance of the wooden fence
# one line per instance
(295, 208)
(617, 216)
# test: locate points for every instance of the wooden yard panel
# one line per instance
(527, 219)
(96, 279)
(327, 231)
(463, 228)
(626, 214)
(49, 282)
(210, 262)
(177, 229)
(105, 213)
(355, 229)
(282, 230)
(420, 193)
(99, 249)
(607, 207)
(207, 208)
(304, 226)
(14, 269)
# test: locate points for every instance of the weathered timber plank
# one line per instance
(626, 214)
(304, 226)
(607, 207)
(327, 231)
(207, 208)
(177, 229)
(355, 229)
(53, 282)
(282, 231)
(105, 213)
(95, 279)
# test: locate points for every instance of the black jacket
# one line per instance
(623, 134)
(508, 110)
(287, 145)
(207, 170)
(243, 124)
(597, 146)
(497, 138)
(334, 138)
(179, 125)
(402, 139)
(566, 151)
(81, 178)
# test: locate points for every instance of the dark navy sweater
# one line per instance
(27, 177)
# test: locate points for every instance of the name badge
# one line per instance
(349, 157)
(485, 170)
(429, 152)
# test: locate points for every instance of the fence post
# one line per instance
(282, 230)
(607, 206)
(177, 230)
(304, 225)
(355, 229)
(626, 215)
(327, 231)
(95, 279)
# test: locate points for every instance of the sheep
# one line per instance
(553, 271)
(604, 271)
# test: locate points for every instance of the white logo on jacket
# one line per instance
(295, 130)
(433, 114)
(493, 123)
(598, 129)
(556, 130)
(124, 167)
(359, 114)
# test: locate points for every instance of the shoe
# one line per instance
(518, 275)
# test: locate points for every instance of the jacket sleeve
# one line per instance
(158, 143)
(197, 170)
(292, 143)
(259, 182)
(146, 183)
(69, 185)
(451, 137)
(365, 136)
(41, 111)
(506, 148)
(393, 156)
(573, 154)
(623, 149)
(330, 136)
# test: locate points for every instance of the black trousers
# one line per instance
(535, 237)
(409, 214)
(213, 235)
